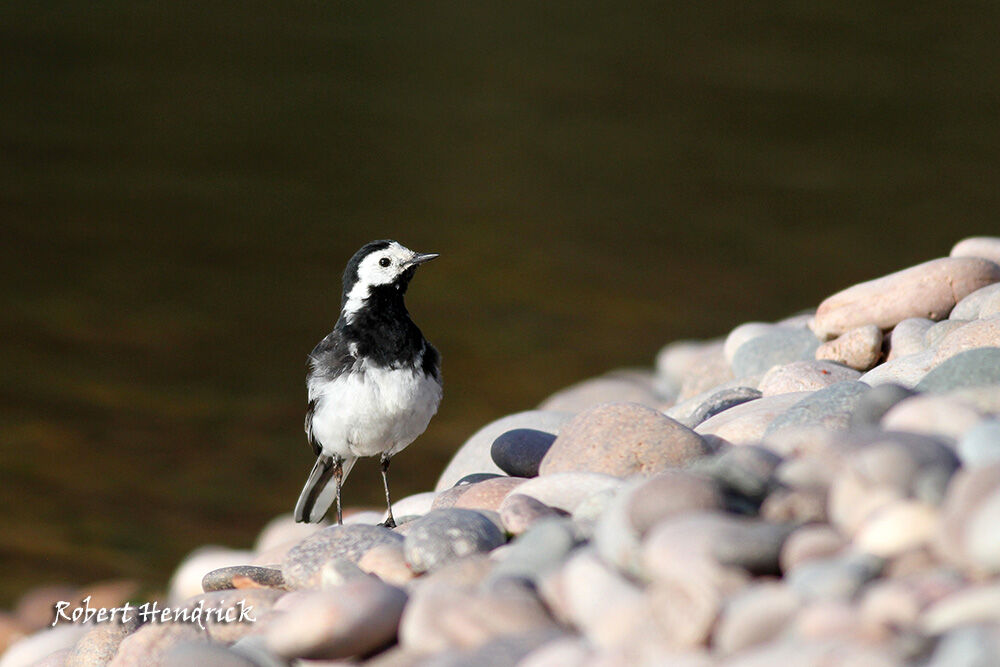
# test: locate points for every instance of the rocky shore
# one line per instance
(823, 490)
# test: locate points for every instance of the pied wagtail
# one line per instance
(374, 382)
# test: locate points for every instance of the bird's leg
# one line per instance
(338, 475)
(389, 522)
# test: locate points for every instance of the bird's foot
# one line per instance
(389, 523)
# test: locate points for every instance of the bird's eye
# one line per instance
(384, 262)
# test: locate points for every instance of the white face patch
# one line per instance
(381, 267)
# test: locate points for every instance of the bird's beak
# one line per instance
(419, 258)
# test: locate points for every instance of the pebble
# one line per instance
(716, 402)
(446, 534)
(971, 645)
(743, 334)
(519, 512)
(622, 439)
(746, 471)
(907, 371)
(932, 414)
(928, 290)
(186, 582)
(754, 616)
(36, 647)
(778, 347)
(203, 654)
(337, 571)
(242, 576)
(860, 348)
(908, 337)
(829, 408)
(386, 561)
(100, 644)
(353, 619)
(968, 336)
(746, 423)
(973, 306)
(979, 603)
(600, 601)
(969, 489)
(982, 541)
(148, 645)
(980, 445)
(259, 602)
(668, 494)
(711, 370)
(474, 455)
(837, 577)
(519, 452)
(566, 490)
(808, 543)
(898, 527)
(795, 506)
(303, 565)
(972, 368)
(804, 376)
(441, 616)
(678, 360)
(940, 330)
(618, 386)
(488, 494)
(987, 247)
(538, 550)
(873, 405)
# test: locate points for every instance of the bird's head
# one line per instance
(379, 265)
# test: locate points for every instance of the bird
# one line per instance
(374, 382)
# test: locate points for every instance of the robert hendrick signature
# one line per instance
(152, 612)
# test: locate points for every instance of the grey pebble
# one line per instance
(839, 577)
(777, 347)
(972, 368)
(754, 546)
(746, 471)
(443, 535)
(519, 452)
(873, 405)
(981, 444)
(541, 548)
(829, 408)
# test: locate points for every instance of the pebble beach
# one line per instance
(822, 490)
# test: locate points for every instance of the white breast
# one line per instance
(371, 410)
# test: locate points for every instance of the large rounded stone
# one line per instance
(302, 567)
(972, 368)
(446, 534)
(928, 290)
(874, 404)
(353, 619)
(242, 576)
(622, 439)
(780, 346)
(804, 376)
(987, 247)
(670, 493)
(907, 371)
(474, 455)
(488, 494)
(520, 451)
(860, 348)
(754, 616)
(940, 415)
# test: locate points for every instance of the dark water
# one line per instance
(180, 187)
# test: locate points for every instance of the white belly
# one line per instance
(374, 411)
